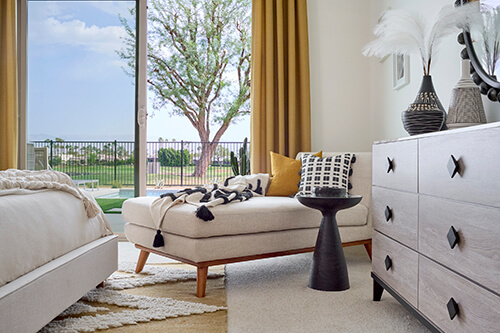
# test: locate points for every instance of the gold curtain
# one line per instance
(280, 117)
(8, 85)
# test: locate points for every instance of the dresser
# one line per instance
(436, 219)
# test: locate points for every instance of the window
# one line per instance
(74, 86)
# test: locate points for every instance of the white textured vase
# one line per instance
(466, 105)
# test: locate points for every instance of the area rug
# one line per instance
(271, 295)
(161, 298)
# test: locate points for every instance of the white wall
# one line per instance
(339, 72)
(352, 99)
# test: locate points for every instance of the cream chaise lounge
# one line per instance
(261, 227)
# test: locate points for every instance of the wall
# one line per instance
(339, 88)
(352, 99)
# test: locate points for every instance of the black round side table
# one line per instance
(329, 269)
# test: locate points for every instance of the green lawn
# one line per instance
(125, 174)
(107, 204)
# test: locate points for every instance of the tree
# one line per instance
(221, 154)
(108, 149)
(198, 64)
(92, 159)
(59, 145)
(56, 160)
(172, 157)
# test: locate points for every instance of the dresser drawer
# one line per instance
(395, 165)
(478, 309)
(477, 252)
(402, 273)
(395, 214)
(477, 154)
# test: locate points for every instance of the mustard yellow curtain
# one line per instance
(8, 85)
(280, 117)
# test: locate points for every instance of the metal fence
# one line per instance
(169, 163)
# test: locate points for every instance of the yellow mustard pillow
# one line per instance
(285, 175)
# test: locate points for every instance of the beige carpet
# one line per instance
(271, 295)
(184, 291)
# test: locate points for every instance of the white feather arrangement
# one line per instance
(403, 31)
(490, 30)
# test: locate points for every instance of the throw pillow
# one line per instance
(285, 175)
(329, 171)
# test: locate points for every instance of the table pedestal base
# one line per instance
(329, 269)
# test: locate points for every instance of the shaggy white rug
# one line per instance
(140, 308)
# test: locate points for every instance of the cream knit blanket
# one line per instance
(47, 179)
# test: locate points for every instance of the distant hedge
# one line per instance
(172, 157)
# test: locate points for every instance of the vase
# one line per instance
(426, 114)
(466, 105)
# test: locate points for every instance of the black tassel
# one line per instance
(226, 182)
(204, 213)
(158, 242)
(258, 190)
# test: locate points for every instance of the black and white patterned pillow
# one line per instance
(327, 171)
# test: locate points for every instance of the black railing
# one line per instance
(171, 163)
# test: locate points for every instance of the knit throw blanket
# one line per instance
(234, 189)
(47, 179)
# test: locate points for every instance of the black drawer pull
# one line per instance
(453, 166)
(390, 165)
(452, 308)
(388, 263)
(388, 213)
(453, 237)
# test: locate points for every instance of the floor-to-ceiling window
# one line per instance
(82, 103)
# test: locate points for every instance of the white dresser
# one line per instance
(436, 218)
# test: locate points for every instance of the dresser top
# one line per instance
(447, 132)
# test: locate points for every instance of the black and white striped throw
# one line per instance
(234, 189)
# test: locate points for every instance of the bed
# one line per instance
(51, 252)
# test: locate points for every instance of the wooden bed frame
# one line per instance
(202, 267)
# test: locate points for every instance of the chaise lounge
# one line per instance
(262, 227)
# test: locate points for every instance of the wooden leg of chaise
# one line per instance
(201, 281)
(368, 247)
(143, 257)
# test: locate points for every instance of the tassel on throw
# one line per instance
(158, 242)
(204, 213)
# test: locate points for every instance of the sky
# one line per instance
(77, 89)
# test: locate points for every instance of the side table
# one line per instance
(329, 269)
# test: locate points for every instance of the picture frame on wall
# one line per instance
(400, 70)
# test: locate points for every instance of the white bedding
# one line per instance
(39, 226)
(19, 180)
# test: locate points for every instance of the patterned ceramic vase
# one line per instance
(466, 105)
(426, 114)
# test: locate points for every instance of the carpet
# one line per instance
(162, 297)
(271, 295)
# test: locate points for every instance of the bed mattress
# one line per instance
(37, 227)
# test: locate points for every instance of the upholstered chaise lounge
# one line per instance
(259, 228)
